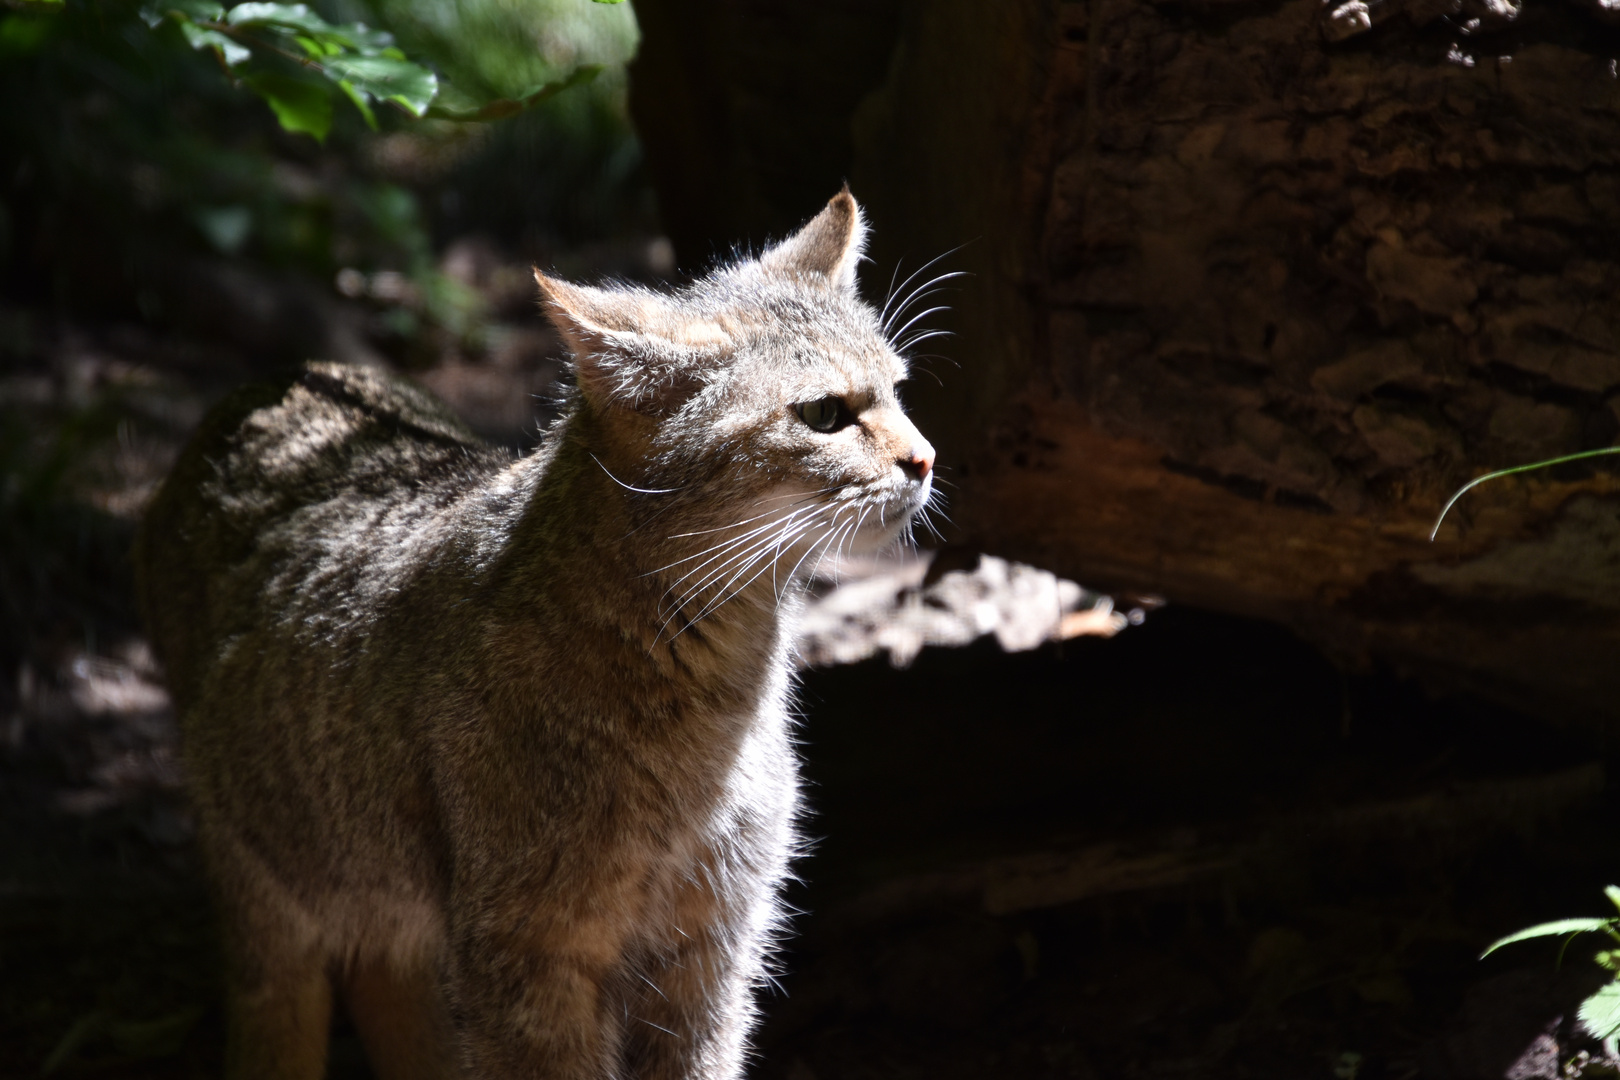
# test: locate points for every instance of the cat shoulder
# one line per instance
(334, 436)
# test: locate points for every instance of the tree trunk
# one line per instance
(1254, 289)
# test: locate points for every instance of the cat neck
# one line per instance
(604, 551)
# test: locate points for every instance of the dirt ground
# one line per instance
(1194, 849)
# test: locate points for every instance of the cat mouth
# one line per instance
(787, 535)
(885, 515)
(920, 494)
(903, 502)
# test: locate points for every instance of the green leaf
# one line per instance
(203, 38)
(501, 108)
(181, 11)
(1498, 474)
(360, 103)
(292, 16)
(298, 19)
(1613, 893)
(200, 10)
(20, 34)
(409, 85)
(300, 106)
(369, 42)
(313, 47)
(1550, 929)
(1600, 1013)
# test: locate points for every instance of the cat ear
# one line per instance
(829, 246)
(631, 348)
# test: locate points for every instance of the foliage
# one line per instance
(490, 52)
(140, 161)
(1600, 1012)
(363, 63)
(499, 76)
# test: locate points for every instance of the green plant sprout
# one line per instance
(1600, 1012)
(1466, 488)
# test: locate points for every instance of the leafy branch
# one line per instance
(501, 108)
(362, 62)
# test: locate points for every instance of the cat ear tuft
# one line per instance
(830, 246)
(588, 319)
(631, 348)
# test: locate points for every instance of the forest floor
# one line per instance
(1194, 849)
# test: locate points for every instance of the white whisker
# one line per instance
(725, 592)
(920, 315)
(920, 337)
(901, 313)
(888, 297)
(915, 274)
(852, 533)
(811, 550)
(923, 292)
(781, 539)
(744, 538)
(739, 562)
(921, 295)
(773, 511)
(632, 487)
(827, 543)
(756, 517)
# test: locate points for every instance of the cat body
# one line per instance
(500, 751)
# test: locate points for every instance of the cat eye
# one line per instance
(827, 414)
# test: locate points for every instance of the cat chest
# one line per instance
(722, 770)
(735, 844)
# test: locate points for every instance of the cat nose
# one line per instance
(920, 462)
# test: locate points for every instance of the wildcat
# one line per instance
(499, 751)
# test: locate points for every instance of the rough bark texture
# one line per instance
(1255, 288)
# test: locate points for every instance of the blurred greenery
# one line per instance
(493, 50)
(141, 157)
(361, 62)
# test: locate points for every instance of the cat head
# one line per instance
(761, 398)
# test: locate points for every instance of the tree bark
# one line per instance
(1255, 287)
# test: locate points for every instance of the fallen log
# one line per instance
(1254, 288)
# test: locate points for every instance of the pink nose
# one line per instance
(920, 463)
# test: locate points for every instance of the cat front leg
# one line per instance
(527, 996)
(689, 1011)
(706, 949)
(689, 1004)
(278, 1019)
(278, 993)
(398, 1006)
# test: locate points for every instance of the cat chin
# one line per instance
(886, 534)
(875, 542)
